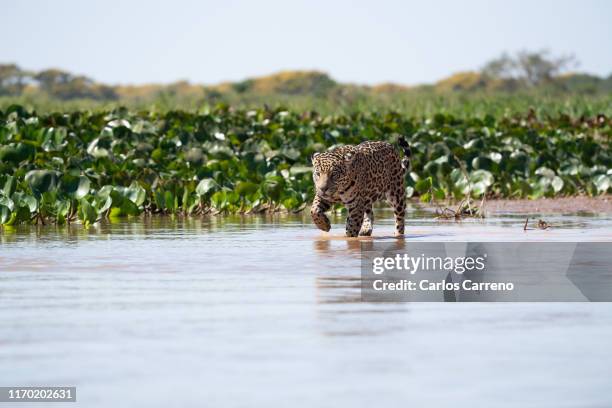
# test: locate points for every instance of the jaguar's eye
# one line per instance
(316, 174)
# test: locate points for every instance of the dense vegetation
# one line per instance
(89, 165)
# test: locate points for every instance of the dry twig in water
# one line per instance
(543, 225)
(464, 209)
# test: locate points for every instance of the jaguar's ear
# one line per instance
(313, 156)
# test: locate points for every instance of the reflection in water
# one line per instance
(340, 288)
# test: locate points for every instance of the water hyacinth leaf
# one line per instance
(119, 122)
(480, 181)
(63, 208)
(158, 197)
(185, 199)
(246, 187)
(602, 183)
(99, 147)
(233, 197)
(474, 144)
(285, 173)
(157, 155)
(205, 186)
(482, 176)
(219, 200)
(86, 212)
(9, 186)
(478, 189)
(482, 162)
(104, 192)
(124, 209)
(25, 200)
(439, 194)
(290, 153)
(170, 201)
(557, 184)
(105, 204)
(139, 162)
(16, 153)
(60, 220)
(76, 187)
(460, 184)
(219, 151)
(426, 197)
(31, 202)
(291, 203)
(423, 185)
(5, 214)
(438, 166)
(42, 181)
(297, 170)
(457, 176)
(194, 156)
(20, 214)
(495, 157)
(7, 202)
(117, 196)
(545, 172)
(54, 139)
(518, 162)
(273, 186)
(570, 169)
(136, 194)
(129, 208)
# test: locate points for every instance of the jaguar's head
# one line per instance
(331, 172)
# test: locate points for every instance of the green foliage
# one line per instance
(61, 167)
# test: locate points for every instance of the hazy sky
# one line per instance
(360, 41)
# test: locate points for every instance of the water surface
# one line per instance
(266, 311)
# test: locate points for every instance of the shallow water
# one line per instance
(247, 311)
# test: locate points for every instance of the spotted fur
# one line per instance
(358, 176)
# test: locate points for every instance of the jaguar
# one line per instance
(357, 177)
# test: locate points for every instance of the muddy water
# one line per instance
(247, 311)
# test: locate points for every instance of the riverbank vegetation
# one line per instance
(89, 165)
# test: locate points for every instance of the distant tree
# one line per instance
(106, 92)
(533, 68)
(242, 86)
(499, 68)
(64, 85)
(12, 79)
(540, 67)
(50, 79)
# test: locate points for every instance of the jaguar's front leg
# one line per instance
(317, 211)
(354, 219)
(368, 221)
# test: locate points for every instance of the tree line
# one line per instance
(524, 70)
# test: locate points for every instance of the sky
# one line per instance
(367, 42)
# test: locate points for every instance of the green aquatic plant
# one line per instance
(63, 167)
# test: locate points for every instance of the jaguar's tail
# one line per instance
(407, 153)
